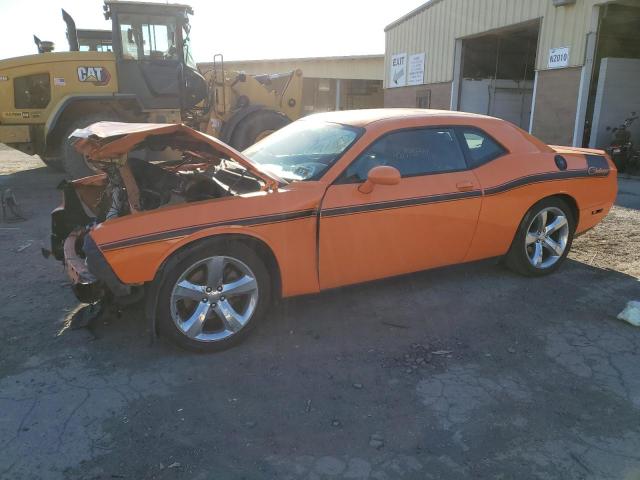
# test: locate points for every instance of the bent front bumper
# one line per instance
(91, 276)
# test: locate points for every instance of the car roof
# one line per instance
(362, 118)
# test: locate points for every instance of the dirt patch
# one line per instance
(613, 244)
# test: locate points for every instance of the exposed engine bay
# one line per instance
(161, 184)
(120, 188)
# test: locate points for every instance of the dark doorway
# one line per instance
(498, 71)
(617, 56)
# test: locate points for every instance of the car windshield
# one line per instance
(303, 150)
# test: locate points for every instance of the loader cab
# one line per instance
(153, 55)
(95, 41)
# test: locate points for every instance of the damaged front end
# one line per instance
(91, 276)
(133, 175)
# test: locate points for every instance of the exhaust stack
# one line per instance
(72, 34)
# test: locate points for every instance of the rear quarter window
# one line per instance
(481, 147)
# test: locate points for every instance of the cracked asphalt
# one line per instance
(463, 372)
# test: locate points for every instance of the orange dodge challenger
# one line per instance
(211, 236)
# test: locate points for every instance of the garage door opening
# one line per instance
(615, 86)
(498, 71)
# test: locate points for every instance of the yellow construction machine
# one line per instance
(140, 71)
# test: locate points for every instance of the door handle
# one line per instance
(464, 186)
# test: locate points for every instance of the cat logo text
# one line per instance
(95, 75)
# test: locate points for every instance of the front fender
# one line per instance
(139, 263)
(291, 238)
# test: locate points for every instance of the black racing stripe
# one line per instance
(519, 182)
(597, 166)
(406, 202)
(181, 232)
(540, 177)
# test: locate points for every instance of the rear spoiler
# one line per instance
(584, 151)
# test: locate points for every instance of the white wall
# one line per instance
(618, 94)
(506, 99)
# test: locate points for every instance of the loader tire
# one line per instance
(256, 126)
(74, 163)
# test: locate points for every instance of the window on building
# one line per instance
(423, 99)
(481, 147)
(413, 152)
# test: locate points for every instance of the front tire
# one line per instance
(214, 296)
(543, 239)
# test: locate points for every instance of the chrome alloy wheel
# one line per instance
(214, 299)
(547, 237)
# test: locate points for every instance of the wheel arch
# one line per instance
(174, 255)
(570, 200)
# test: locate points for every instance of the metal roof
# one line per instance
(310, 59)
(412, 13)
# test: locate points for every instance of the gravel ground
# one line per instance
(468, 371)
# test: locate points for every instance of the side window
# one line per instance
(413, 152)
(32, 91)
(481, 147)
(159, 40)
(150, 37)
(129, 38)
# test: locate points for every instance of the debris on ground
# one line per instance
(11, 211)
(631, 313)
(24, 246)
(357, 386)
(376, 441)
(175, 465)
(394, 325)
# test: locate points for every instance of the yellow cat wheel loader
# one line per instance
(141, 71)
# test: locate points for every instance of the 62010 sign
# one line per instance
(558, 57)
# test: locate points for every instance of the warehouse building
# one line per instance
(564, 70)
(329, 83)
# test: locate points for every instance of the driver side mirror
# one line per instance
(381, 175)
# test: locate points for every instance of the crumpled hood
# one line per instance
(107, 140)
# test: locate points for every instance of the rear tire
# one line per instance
(256, 126)
(543, 239)
(199, 286)
(73, 161)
